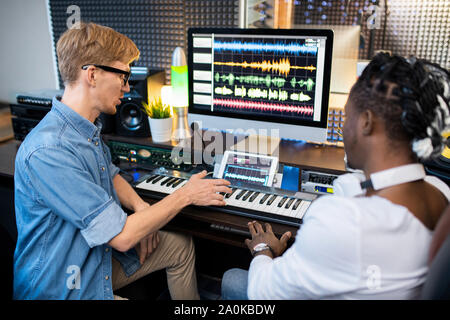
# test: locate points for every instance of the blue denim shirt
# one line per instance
(66, 211)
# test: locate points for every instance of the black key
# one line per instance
(282, 201)
(248, 194)
(177, 183)
(240, 194)
(231, 193)
(272, 199)
(253, 197)
(157, 179)
(288, 204)
(264, 198)
(151, 178)
(166, 180)
(171, 182)
(297, 203)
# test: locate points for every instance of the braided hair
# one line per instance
(411, 96)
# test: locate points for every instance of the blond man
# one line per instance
(74, 239)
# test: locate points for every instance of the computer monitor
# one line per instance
(261, 79)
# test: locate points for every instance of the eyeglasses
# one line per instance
(110, 69)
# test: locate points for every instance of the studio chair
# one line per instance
(437, 284)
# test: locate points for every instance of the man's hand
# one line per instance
(268, 237)
(147, 245)
(204, 192)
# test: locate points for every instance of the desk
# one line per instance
(198, 221)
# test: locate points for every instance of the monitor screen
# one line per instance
(273, 78)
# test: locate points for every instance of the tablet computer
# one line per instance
(242, 167)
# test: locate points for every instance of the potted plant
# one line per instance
(160, 120)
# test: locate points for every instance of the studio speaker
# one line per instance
(131, 119)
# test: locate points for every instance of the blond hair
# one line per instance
(92, 44)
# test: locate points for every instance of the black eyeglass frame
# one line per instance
(111, 69)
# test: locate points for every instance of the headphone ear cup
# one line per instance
(349, 185)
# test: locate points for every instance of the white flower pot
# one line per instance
(161, 129)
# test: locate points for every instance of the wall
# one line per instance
(26, 48)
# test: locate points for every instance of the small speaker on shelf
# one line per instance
(131, 119)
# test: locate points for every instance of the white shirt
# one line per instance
(348, 248)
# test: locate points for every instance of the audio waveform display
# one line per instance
(268, 81)
(241, 171)
(282, 66)
(258, 76)
(263, 47)
(257, 93)
(229, 175)
(264, 107)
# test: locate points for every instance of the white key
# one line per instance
(273, 208)
(296, 212)
(281, 210)
(232, 201)
(255, 203)
(147, 185)
(160, 188)
(305, 206)
(287, 212)
(246, 203)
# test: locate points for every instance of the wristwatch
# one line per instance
(261, 247)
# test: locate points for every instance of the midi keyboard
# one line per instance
(256, 202)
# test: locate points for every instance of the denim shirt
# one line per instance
(66, 211)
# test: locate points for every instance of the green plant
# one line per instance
(157, 109)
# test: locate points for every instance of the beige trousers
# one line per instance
(175, 252)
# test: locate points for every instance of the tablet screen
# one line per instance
(248, 168)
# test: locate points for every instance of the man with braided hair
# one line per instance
(372, 240)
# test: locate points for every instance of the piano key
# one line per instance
(264, 198)
(299, 212)
(282, 201)
(297, 203)
(254, 196)
(164, 181)
(172, 182)
(304, 208)
(161, 187)
(175, 184)
(247, 195)
(157, 179)
(234, 200)
(151, 178)
(270, 201)
(271, 205)
(287, 209)
(233, 190)
(256, 205)
(240, 194)
(181, 185)
(288, 204)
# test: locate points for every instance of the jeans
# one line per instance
(234, 284)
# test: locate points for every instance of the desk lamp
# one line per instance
(179, 99)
